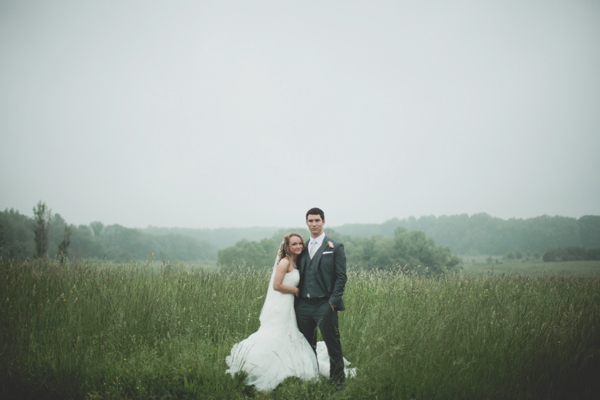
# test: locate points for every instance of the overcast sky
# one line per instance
(211, 114)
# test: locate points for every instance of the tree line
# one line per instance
(478, 234)
(572, 253)
(48, 234)
(482, 234)
(408, 250)
(371, 244)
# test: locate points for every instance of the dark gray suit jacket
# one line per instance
(331, 270)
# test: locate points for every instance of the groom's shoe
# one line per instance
(337, 376)
(337, 386)
(338, 382)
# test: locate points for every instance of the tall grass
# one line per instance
(131, 331)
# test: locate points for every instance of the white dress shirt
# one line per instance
(314, 244)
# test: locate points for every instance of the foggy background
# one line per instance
(235, 113)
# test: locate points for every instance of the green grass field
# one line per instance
(478, 265)
(106, 331)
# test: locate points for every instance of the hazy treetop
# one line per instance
(238, 113)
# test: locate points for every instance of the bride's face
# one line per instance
(296, 245)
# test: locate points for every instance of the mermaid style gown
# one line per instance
(278, 349)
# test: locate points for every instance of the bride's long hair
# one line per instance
(270, 314)
(284, 249)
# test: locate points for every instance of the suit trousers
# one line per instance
(313, 314)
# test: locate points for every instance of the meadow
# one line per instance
(136, 331)
(528, 267)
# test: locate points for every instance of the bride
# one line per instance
(278, 349)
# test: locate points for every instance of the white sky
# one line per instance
(247, 113)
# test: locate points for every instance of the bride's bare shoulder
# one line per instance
(283, 263)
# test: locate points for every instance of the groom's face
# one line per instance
(315, 224)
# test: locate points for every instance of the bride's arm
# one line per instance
(278, 279)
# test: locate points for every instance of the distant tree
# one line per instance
(571, 253)
(251, 254)
(57, 233)
(574, 253)
(41, 228)
(589, 226)
(407, 250)
(484, 234)
(97, 227)
(15, 228)
(85, 244)
(415, 249)
(518, 254)
(370, 253)
(63, 247)
(115, 242)
(2, 240)
(550, 255)
(593, 254)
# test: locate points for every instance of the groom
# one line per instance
(322, 283)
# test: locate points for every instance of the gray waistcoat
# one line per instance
(310, 282)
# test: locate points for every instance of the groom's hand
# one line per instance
(332, 307)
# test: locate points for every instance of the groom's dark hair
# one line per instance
(315, 211)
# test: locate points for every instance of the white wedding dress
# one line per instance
(278, 349)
